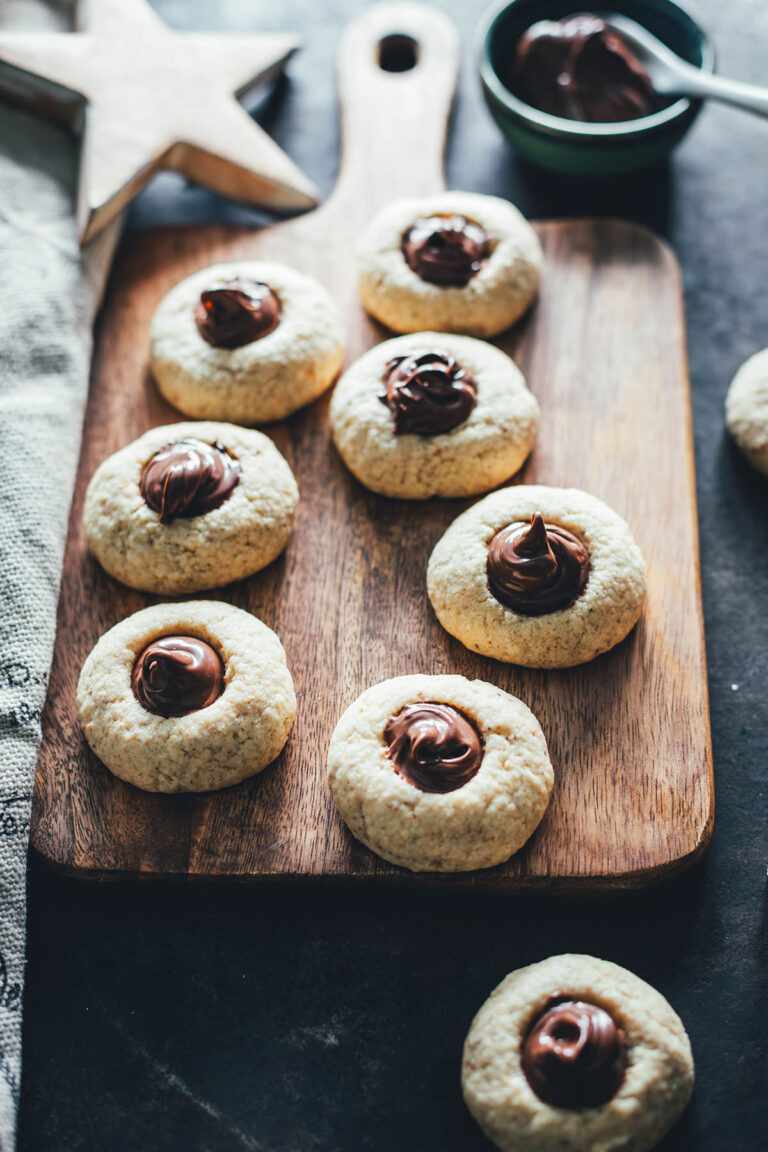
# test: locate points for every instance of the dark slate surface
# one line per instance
(225, 1018)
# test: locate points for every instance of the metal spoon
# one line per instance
(672, 76)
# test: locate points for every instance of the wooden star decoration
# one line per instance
(155, 98)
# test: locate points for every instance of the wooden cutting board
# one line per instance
(604, 352)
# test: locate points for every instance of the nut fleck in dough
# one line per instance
(746, 409)
(607, 609)
(476, 826)
(657, 1083)
(233, 541)
(486, 449)
(497, 295)
(236, 736)
(259, 382)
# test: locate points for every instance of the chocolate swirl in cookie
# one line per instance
(445, 249)
(177, 675)
(536, 568)
(428, 393)
(575, 1054)
(434, 746)
(237, 313)
(188, 478)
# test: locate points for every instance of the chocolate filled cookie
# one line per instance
(575, 1053)
(186, 697)
(190, 506)
(433, 415)
(249, 342)
(454, 262)
(543, 577)
(440, 773)
(746, 410)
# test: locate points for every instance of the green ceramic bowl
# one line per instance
(569, 146)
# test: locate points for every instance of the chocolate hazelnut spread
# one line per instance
(428, 393)
(575, 1054)
(434, 746)
(446, 249)
(535, 568)
(176, 675)
(188, 478)
(237, 313)
(581, 69)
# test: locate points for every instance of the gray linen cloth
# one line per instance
(48, 295)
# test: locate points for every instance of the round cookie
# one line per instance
(483, 273)
(295, 356)
(226, 666)
(746, 409)
(185, 542)
(440, 773)
(620, 1043)
(452, 416)
(578, 583)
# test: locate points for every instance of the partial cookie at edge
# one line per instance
(746, 409)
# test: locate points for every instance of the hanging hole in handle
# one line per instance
(398, 53)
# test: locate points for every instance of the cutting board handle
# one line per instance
(398, 65)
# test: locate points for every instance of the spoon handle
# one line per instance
(706, 86)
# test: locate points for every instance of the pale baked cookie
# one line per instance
(186, 697)
(190, 506)
(454, 262)
(249, 342)
(440, 773)
(746, 409)
(433, 415)
(544, 577)
(576, 1053)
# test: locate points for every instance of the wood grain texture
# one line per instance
(604, 352)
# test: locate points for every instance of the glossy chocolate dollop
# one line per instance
(428, 393)
(434, 746)
(580, 69)
(188, 478)
(237, 313)
(177, 675)
(575, 1054)
(445, 249)
(536, 568)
